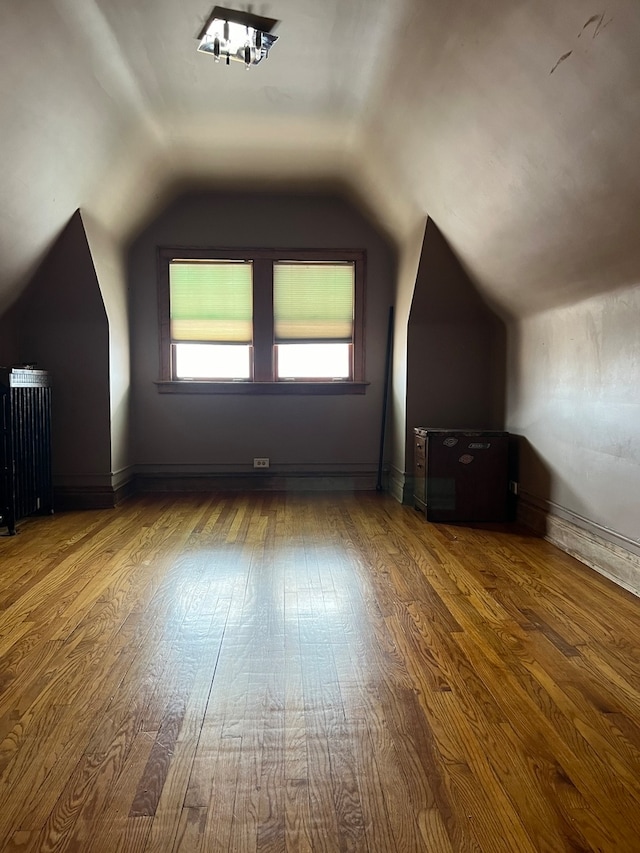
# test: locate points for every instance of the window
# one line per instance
(210, 319)
(261, 320)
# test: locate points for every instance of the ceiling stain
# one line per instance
(562, 59)
(600, 24)
(598, 20)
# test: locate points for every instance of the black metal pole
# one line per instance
(385, 397)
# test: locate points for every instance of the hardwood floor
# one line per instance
(292, 673)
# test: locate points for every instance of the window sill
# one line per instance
(302, 388)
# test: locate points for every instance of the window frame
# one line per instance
(263, 349)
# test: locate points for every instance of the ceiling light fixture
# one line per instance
(241, 36)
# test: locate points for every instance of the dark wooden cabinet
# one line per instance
(419, 470)
(461, 475)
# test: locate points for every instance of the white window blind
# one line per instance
(211, 301)
(313, 302)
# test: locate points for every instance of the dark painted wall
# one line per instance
(455, 348)
(190, 433)
(60, 323)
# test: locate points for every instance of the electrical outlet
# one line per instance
(261, 462)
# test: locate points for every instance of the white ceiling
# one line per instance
(512, 124)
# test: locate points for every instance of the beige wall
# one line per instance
(108, 260)
(525, 162)
(409, 260)
(574, 375)
(193, 433)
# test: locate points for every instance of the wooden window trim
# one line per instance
(263, 379)
(309, 388)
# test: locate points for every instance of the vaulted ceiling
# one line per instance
(513, 124)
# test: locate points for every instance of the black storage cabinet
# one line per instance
(466, 474)
(26, 484)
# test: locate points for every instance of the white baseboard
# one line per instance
(605, 551)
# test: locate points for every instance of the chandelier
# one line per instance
(240, 36)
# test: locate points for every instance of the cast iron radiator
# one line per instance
(26, 485)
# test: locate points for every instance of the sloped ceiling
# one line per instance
(512, 124)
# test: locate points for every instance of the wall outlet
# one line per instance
(261, 462)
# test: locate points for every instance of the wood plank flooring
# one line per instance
(287, 673)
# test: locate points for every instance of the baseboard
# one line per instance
(400, 486)
(83, 497)
(107, 491)
(92, 491)
(196, 481)
(605, 551)
(123, 484)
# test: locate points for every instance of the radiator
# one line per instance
(26, 485)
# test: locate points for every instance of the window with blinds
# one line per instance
(262, 317)
(211, 301)
(313, 312)
(211, 319)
